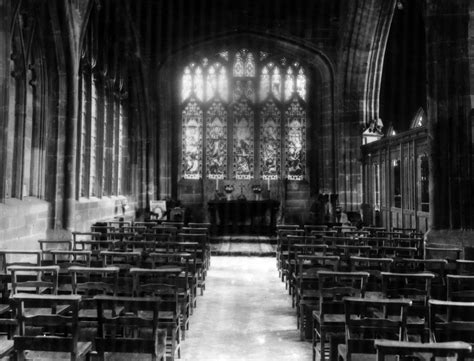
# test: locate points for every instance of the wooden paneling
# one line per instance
(406, 148)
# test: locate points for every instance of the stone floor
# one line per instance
(225, 248)
(244, 315)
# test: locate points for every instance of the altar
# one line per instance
(243, 216)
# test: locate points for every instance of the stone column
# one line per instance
(449, 122)
(5, 13)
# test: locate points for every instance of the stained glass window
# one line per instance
(249, 65)
(198, 83)
(264, 83)
(187, 84)
(243, 141)
(250, 91)
(301, 84)
(289, 84)
(211, 84)
(238, 91)
(216, 141)
(220, 96)
(295, 119)
(276, 83)
(192, 141)
(270, 140)
(238, 65)
(222, 84)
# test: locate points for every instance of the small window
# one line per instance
(397, 195)
(424, 184)
(376, 186)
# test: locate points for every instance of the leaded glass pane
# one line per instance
(187, 84)
(222, 85)
(264, 83)
(238, 91)
(276, 83)
(199, 83)
(192, 141)
(295, 120)
(243, 141)
(211, 83)
(249, 66)
(250, 91)
(216, 138)
(238, 70)
(301, 84)
(270, 140)
(289, 84)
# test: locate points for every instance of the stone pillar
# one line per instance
(449, 123)
(5, 13)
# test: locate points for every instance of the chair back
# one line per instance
(138, 315)
(34, 279)
(60, 330)
(414, 349)
(371, 319)
(451, 321)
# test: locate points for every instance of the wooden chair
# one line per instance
(66, 260)
(330, 318)
(168, 230)
(307, 289)
(414, 349)
(177, 225)
(59, 332)
(132, 331)
(374, 266)
(89, 282)
(202, 255)
(282, 247)
(34, 279)
(417, 288)
(14, 258)
(434, 266)
(373, 230)
(123, 260)
(460, 288)
(450, 254)
(163, 283)
(308, 228)
(184, 281)
(465, 267)
(451, 321)
(47, 245)
(370, 319)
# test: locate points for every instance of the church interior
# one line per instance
(159, 155)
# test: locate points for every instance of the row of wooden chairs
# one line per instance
(167, 282)
(129, 325)
(122, 262)
(334, 323)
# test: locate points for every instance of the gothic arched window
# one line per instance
(249, 103)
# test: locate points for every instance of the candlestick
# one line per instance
(217, 184)
(268, 185)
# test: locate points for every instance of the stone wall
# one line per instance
(23, 222)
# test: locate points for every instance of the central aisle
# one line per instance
(245, 314)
